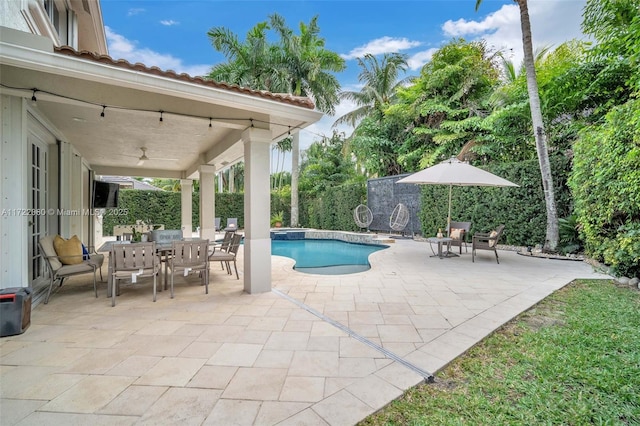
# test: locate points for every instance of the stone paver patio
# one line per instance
(317, 350)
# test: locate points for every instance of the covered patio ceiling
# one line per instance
(73, 89)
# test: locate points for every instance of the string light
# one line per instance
(289, 132)
(161, 119)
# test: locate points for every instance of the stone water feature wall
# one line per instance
(383, 195)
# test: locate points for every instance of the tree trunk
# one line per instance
(295, 171)
(551, 240)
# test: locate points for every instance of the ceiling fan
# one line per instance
(143, 157)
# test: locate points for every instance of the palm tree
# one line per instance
(510, 74)
(309, 67)
(253, 63)
(380, 82)
(280, 148)
(551, 240)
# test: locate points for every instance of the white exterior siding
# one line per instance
(11, 16)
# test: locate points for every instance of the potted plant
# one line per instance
(276, 219)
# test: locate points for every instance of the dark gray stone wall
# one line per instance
(384, 194)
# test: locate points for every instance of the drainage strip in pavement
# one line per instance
(428, 376)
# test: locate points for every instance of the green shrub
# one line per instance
(606, 188)
(569, 233)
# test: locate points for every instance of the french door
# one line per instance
(39, 141)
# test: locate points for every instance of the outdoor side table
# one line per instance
(440, 242)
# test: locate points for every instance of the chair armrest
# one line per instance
(483, 237)
(213, 247)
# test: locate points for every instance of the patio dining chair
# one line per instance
(133, 261)
(190, 256)
(222, 246)
(459, 234)
(486, 241)
(230, 255)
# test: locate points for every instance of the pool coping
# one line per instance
(319, 234)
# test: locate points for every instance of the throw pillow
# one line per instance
(68, 251)
(85, 252)
(492, 235)
(456, 233)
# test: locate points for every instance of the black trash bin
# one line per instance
(15, 310)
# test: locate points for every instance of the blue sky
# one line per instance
(172, 34)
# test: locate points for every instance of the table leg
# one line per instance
(166, 266)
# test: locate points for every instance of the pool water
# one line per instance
(326, 257)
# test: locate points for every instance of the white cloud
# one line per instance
(417, 60)
(135, 11)
(552, 23)
(504, 17)
(122, 48)
(169, 22)
(381, 45)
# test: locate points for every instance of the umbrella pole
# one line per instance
(449, 215)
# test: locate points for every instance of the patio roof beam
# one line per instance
(137, 171)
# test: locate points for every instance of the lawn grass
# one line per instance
(573, 359)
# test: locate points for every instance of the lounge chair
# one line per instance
(232, 224)
(61, 266)
(486, 241)
(459, 232)
(216, 224)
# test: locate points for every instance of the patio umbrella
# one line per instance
(454, 172)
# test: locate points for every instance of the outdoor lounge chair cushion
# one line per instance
(492, 234)
(68, 251)
(456, 233)
(50, 252)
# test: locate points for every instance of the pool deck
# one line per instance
(316, 350)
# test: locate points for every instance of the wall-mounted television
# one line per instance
(105, 195)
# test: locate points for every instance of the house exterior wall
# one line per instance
(13, 193)
(66, 190)
(11, 17)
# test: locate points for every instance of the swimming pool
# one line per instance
(326, 257)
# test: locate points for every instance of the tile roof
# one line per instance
(299, 101)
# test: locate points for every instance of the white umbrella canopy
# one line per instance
(454, 172)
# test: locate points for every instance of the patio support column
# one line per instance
(207, 202)
(257, 200)
(186, 193)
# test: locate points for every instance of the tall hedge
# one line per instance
(333, 209)
(162, 207)
(606, 188)
(522, 210)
